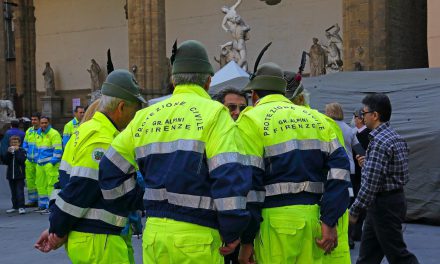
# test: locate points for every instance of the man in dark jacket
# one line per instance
(15, 158)
(362, 132)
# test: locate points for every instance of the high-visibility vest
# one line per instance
(186, 149)
(49, 146)
(30, 144)
(303, 161)
(79, 206)
(69, 130)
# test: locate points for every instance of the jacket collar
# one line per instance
(40, 131)
(75, 121)
(273, 98)
(379, 129)
(191, 89)
(105, 121)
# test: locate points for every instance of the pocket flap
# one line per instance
(149, 238)
(286, 226)
(192, 240)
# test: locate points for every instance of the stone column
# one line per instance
(24, 21)
(2, 52)
(147, 45)
(384, 35)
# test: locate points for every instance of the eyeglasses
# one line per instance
(364, 113)
(233, 107)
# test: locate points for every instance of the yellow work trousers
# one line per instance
(88, 248)
(341, 254)
(288, 235)
(47, 176)
(30, 170)
(166, 241)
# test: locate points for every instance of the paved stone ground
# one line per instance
(18, 234)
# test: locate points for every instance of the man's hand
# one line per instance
(361, 160)
(329, 240)
(229, 248)
(55, 241)
(42, 243)
(246, 255)
(353, 219)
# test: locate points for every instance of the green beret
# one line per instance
(122, 84)
(191, 57)
(268, 77)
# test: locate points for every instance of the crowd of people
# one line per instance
(34, 157)
(219, 182)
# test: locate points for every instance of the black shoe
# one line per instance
(351, 243)
(31, 204)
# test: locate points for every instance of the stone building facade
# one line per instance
(378, 35)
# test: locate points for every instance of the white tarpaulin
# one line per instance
(158, 99)
(230, 75)
(415, 99)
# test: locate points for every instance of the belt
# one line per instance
(390, 192)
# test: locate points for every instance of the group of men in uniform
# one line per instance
(275, 182)
(44, 148)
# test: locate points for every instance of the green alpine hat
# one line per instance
(191, 57)
(122, 84)
(269, 77)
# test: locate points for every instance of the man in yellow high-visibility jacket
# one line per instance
(30, 146)
(299, 96)
(73, 124)
(80, 215)
(48, 161)
(196, 180)
(305, 175)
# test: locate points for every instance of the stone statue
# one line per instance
(49, 80)
(234, 24)
(227, 54)
(334, 50)
(317, 59)
(6, 110)
(94, 75)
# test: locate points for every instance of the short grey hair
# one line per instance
(109, 104)
(190, 78)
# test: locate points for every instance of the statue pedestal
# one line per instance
(52, 106)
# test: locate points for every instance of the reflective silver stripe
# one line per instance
(44, 147)
(91, 213)
(306, 144)
(294, 187)
(119, 161)
(186, 200)
(119, 191)
(57, 155)
(44, 160)
(256, 196)
(230, 203)
(338, 174)
(84, 172)
(66, 135)
(57, 145)
(231, 157)
(333, 145)
(54, 194)
(64, 166)
(155, 194)
(169, 147)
